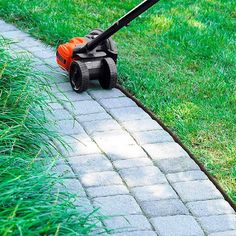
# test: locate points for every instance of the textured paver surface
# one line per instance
(123, 162)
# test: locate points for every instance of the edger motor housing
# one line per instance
(94, 56)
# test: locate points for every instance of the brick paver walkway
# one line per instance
(125, 163)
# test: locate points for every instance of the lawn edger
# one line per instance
(94, 56)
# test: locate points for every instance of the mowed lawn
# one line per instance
(178, 59)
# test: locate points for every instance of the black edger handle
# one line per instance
(123, 21)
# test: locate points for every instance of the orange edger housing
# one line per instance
(94, 57)
(65, 52)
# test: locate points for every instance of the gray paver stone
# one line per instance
(90, 163)
(16, 35)
(86, 147)
(128, 223)
(136, 233)
(113, 139)
(141, 125)
(130, 163)
(60, 114)
(226, 233)
(142, 176)
(101, 126)
(177, 226)
(63, 170)
(110, 103)
(128, 113)
(100, 179)
(68, 128)
(73, 186)
(153, 136)
(92, 117)
(126, 152)
(84, 205)
(117, 205)
(61, 87)
(196, 190)
(168, 207)
(186, 176)
(72, 96)
(51, 62)
(210, 207)
(174, 165)
(104, 191)
(85, 107)
(155, 192)
(4, 27)
(168, 150)
(56, 105)
(100, 93)
(212, 224)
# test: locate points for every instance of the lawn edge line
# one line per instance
(177, 140)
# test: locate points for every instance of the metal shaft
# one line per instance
(124, 21)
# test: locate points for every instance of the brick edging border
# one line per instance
(177, 140)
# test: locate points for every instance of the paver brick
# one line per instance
(92, 117)
(113, 139)
(212, 224)
(63, 170)
(118, 102)
(136, 233)
(155, 192)
(84, 205)
(4, 27)
(128, 113)
(55, 105)
(186, 176)
(168, 207)
(141, 125)
(68, 128)
(16, 35)
(154, 136)
(72, 96)
(125, 152)
(210, 207)
(130, 163)
(100, 179)
(81, 147)
(127, 223)
(85, 107)
(142, 176)
(117, 205)
(104, 191)
(51, 62)
(101, 126)
(77, 138)
(61, 88)
(177, 226)
(60, 114)
(99, 94)
(43, 54)
(168, 150)
(73, 186)
(90, 163)
(226, 233)
(174, 165)
(196, 190)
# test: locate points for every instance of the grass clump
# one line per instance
(29, 201)
(178, 59)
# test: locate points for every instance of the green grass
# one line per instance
(178, 59)
(30, 202)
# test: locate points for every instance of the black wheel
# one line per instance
(109, 78)
(79, 76)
